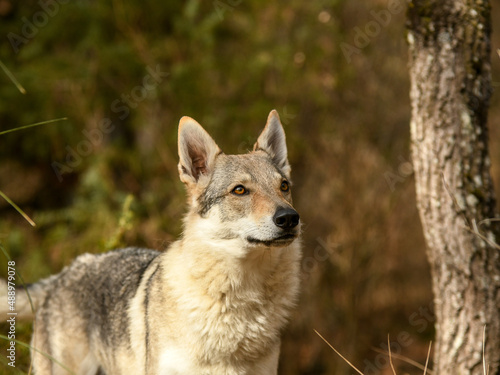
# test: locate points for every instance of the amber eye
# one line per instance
(239, 190)
(285, 186)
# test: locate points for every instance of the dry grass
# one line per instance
(425, 369)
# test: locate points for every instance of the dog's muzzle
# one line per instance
(286, 219)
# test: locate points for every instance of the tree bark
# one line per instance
(449, 55)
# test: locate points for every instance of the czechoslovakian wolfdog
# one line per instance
(212, 304)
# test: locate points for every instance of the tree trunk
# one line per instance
(449, 52)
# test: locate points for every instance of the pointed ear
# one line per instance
(272, 140)
(197, 151)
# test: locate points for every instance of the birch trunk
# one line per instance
(449, 52)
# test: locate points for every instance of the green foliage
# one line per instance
(124, 225)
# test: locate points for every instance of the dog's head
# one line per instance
(247, 197)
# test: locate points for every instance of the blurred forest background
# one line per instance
(124, 72)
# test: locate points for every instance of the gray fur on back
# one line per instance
(101, 286)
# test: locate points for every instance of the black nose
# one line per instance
(286, 218)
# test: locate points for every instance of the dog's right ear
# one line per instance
(197, 151)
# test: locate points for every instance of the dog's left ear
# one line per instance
(273, 141)
(197, 151)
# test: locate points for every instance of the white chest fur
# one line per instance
(228, 318)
